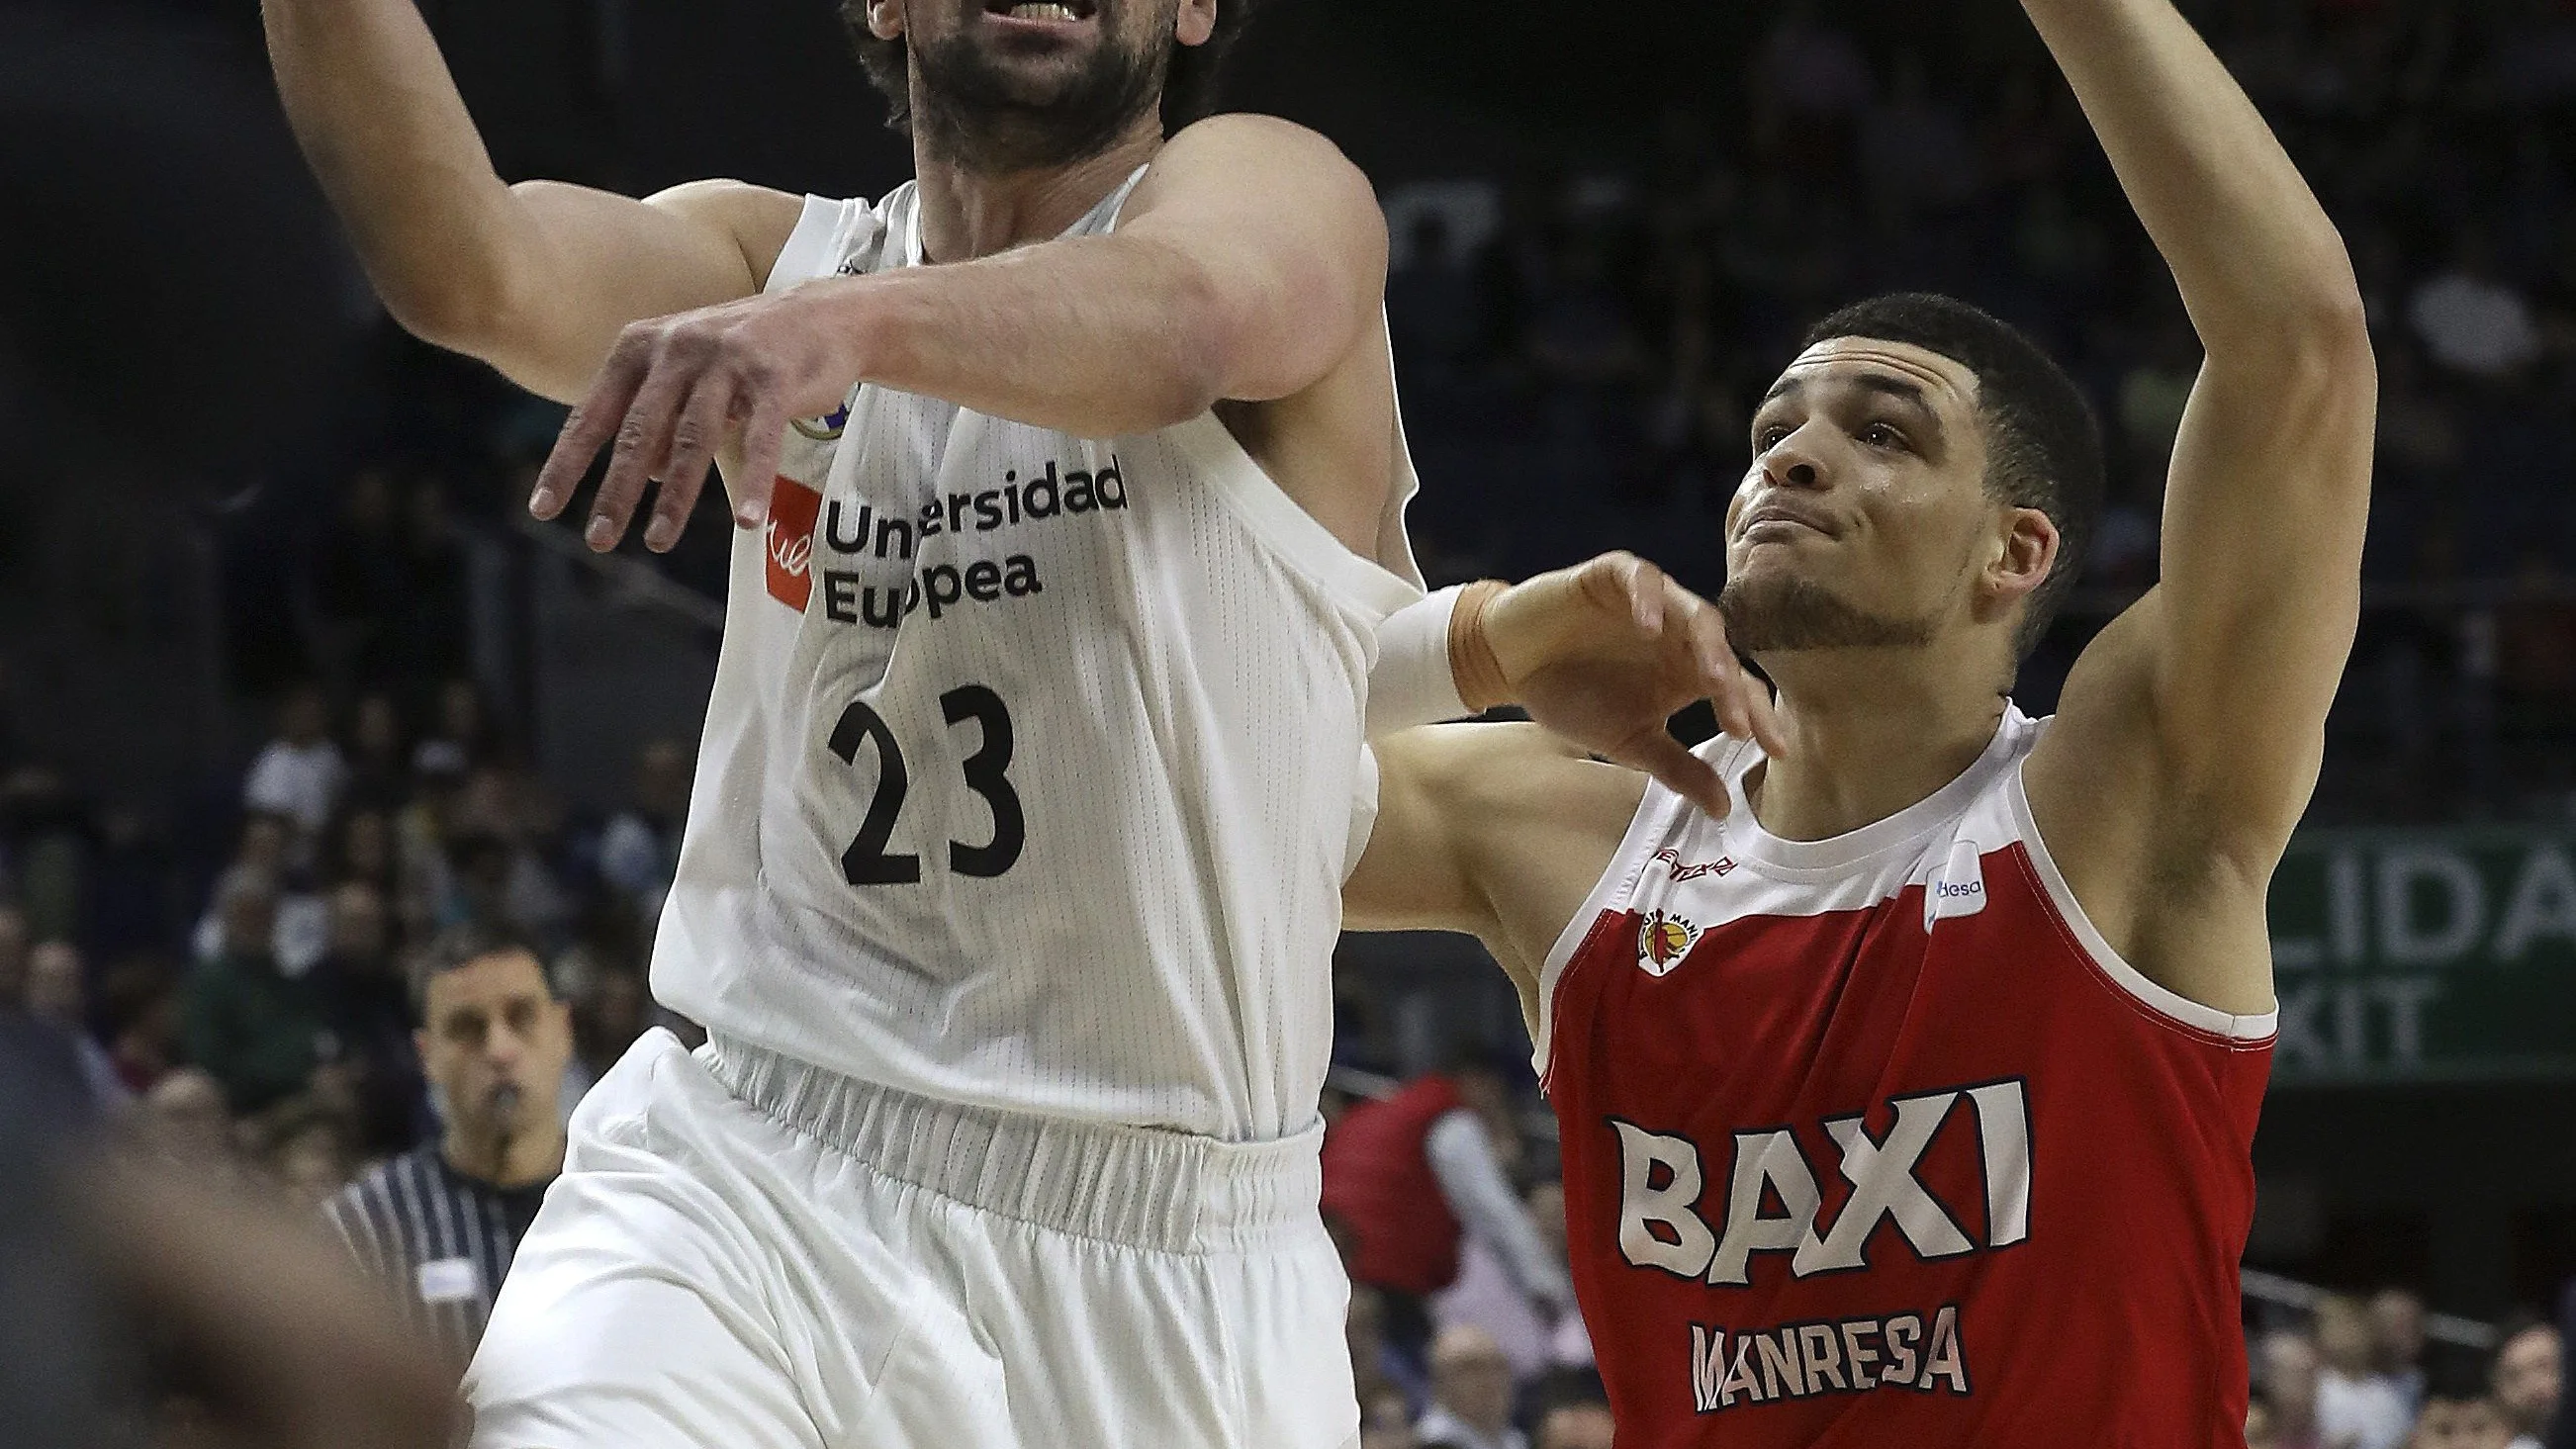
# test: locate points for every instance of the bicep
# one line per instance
(1284, 238)
(596, 262)
(2233, 660)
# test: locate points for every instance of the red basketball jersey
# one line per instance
(1874, 1141)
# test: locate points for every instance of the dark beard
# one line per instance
(1787, 615)
(970, 110)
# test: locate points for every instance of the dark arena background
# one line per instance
(243, 518)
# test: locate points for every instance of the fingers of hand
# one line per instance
(763, 427)
(1680, 771)
(644, 437)
(693, 440)
(587, 429)
(1646, 586)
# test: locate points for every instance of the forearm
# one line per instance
(388, 137)
(2259, 263)
(1098, 336)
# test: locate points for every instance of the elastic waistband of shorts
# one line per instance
(1170, 1192)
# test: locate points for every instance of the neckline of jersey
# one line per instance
(1747, 840)
(1101, 218)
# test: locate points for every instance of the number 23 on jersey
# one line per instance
(867, 862)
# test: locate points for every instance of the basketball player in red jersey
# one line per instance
(1909, 1102)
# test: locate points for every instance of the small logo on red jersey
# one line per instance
(1663, 940)
(793, 507)
(1672, 860)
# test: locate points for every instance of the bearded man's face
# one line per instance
(1002, 87)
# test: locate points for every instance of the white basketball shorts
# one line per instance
(745, 1252)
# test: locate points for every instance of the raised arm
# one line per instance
(1247, 266)
(2192, 731)
(536, 279)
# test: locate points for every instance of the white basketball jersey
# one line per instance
(1034, 763)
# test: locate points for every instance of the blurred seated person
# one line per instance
(367, 1007)
(2464, 1421)
(2355, 1402)
(1471, 1394)
(256, 1029)
(2525, 1378)
(1407, 1177)
(58, 995)
(2290, 1368)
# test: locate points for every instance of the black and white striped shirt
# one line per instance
(440, 1240)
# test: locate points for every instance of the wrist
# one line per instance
(1482, 683)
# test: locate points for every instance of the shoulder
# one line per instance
(1256, 157)
(759, 219)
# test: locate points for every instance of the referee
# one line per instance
(439, 1224)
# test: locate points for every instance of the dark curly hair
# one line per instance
(1189, 83)
(2043, 443)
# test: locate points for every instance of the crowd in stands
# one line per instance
(271, 1040)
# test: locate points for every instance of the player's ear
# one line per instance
(1197, 21)
(2021, 557)
(885, 19)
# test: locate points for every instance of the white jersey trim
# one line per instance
(1279, 521)
(811, 249)
(2165, 1002)
(1652, 823)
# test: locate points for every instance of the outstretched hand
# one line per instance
(675, 389)
(1605, 653)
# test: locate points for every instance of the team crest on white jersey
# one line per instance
(1663, 940)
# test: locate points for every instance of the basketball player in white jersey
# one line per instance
(1072, 486)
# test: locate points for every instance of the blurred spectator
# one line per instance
(463, 738)
(300, 930)
(138, 1018)
(1574, 1426)
(2397, 1342)
(379, 768)
(2262, 1431)
(641, 846)
(1385, 1423)
(2470, 1422)
(255, 1029)
(2525, 1378)
(1376, 1365)
(2356, 1404)
(367, 1008)
(2472, 321)
(58, 995)
(1409, 1175)
(1534, 1338)
(300, 772)
(308, 1153)
(2290, 1367)
(1471, 1394)
(186, 1121)
(439, 1225)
